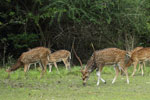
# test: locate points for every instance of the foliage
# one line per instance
(124, 24)
(23, 40)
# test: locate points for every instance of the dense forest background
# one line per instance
(25, 24)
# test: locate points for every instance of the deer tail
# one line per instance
(15, 66)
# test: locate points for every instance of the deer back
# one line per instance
(107, 56)
(129, 53)
(35, 55)
(142, 54)
(59, 55)
(135, 50)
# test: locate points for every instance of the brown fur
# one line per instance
(58, 56)
(39, 54)
(100, 58)
(128, 56)
(108, 56)
(139, 56)
(15, 66)
(135, 49)
(142, 63)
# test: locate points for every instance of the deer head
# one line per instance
(85, 76)
(127, 57)
(84, 72)
(129, 54)
(89, 67)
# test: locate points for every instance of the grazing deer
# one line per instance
(100, 58)
(39, 54)
(58, 56)
(141, 55)
(141, 63)
(129, 53)
(34, 64)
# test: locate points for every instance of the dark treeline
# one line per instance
(25, 24)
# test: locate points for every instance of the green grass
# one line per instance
(68, 86)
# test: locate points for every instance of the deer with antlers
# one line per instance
(100, 58)
(38, 54)
(141, 55)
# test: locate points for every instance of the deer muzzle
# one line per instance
(84, 83)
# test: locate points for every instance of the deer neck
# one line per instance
(90, 68)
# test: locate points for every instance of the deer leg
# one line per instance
(139, 66)
(44, 63)
(98, 73)
(56, 66)
(117, 72)
(26, 66)
(50, 67)
(144, 64)
(120, 68)
(68, 62)
(65, 62)
(126, 72)
(69, 65)
(135, 65)
(29, 66)
(44, 66)
(142, 69)
(99, 76)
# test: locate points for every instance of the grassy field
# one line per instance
(68, 86)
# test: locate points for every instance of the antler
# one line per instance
(93, 47)
(94, 52)
(76, 54)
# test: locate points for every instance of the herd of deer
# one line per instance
(121, 60)
(44, 57)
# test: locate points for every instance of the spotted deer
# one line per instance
(129, 53)
(141, 63)
(135, 50)
(100, 58)
(58, 56)
(141, 55)
(38, 54)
